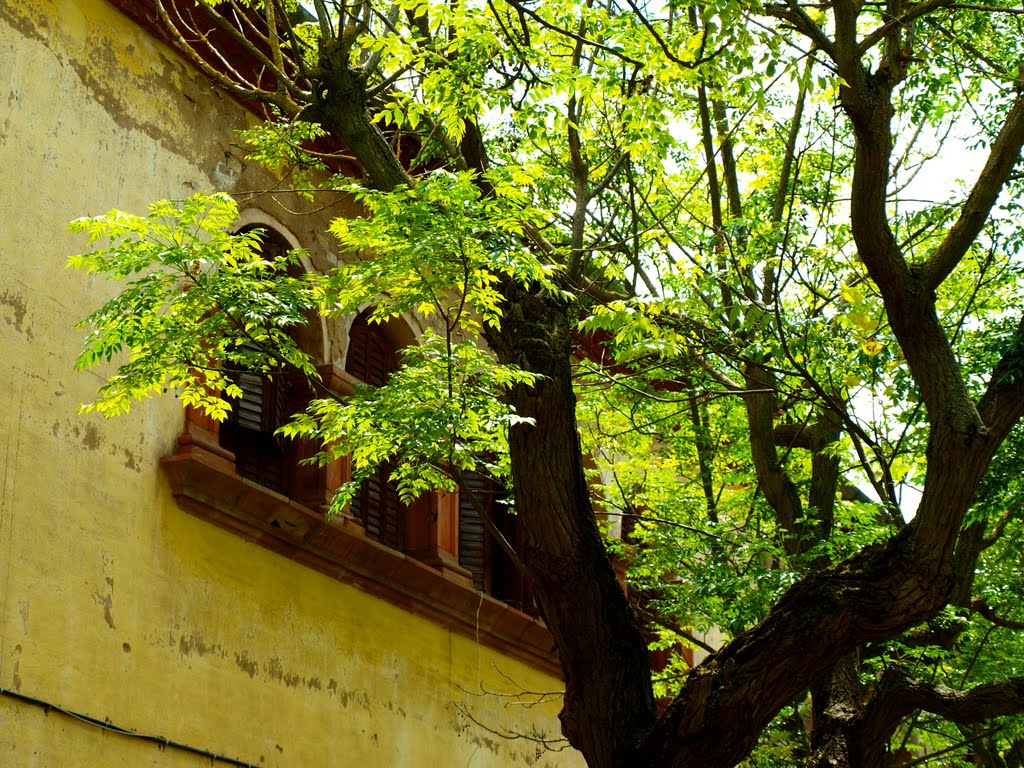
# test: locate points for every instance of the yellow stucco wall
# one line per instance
(114, 603)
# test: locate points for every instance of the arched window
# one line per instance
(268, 401)
(372, 357)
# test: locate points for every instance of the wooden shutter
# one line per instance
(379, 509)
(494, 572)
(249, 429)
(473, 538)
(247, 413)
(371, 358)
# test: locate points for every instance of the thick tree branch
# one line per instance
(339, 103)
(704, 457)
(1003, 156)
(982, 608)
(958, 435)
(797, 16)
(821, 495)
(779, 490)
(900, 23)
(899, 694)
(875, 595)
(782, 191)
(323, 19)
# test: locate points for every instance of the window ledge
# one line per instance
(211, 491)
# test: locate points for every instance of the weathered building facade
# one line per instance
(148, 584)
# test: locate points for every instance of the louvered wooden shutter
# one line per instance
(377, 506)
(473, 538)
(379, 509)
(248, 412)
(249, 430)
(371, 359)
(493, 571)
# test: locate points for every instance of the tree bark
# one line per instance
(728, 700)
(836, 708)
(779, 490)
(898, 695)
(609, 702)
(339, 103)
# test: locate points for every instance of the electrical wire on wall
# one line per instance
(106, 726)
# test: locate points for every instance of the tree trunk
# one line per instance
(609, 703)
(836, 709)
(609, 712)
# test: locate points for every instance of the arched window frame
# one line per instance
(427, 529)
(245, 443)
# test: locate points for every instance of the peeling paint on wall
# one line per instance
(106, 601)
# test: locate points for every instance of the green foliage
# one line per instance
(198, 304)
(286, 146)
(438, 248)
(195, 304)
(441, 409)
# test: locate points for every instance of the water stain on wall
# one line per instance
(15, 311)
